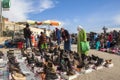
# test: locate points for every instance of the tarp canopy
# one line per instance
(49, 23)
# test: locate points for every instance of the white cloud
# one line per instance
(46, 4)
(20, 9)
(117, 19)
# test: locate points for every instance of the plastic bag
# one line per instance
(85, 46)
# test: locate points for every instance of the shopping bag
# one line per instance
(85, 46)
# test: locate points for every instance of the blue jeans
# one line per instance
(28, 42)
(67, 45)
(58, 41)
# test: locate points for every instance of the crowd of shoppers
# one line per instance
(107, 41)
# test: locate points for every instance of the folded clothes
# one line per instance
(103, 49)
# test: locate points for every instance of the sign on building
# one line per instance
(6, 5)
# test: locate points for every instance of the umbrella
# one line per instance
(31, 22)
(49, 23)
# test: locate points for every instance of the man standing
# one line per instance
(66, 38)
(27, 36)
(58, 36)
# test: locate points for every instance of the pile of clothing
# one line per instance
(13, 43)
(114, 50)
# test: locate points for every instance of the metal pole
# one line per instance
(0, 17)
(14, 32)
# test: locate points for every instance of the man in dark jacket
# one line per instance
(66, 38)
(27, 36)
(58, 36)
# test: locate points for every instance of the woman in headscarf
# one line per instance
(82, 37)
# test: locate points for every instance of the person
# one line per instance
(110, 37)
(54, 35)
(58, 36)
(82, 37)
(115, 35)
(95, 37)
(27, 35)
(42, 41)
(97, 45)
(33, 39)
(66, 38)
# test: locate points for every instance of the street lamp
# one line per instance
(0, 17)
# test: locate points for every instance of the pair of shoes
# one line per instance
(11, 51)
(43, 75)
(14, 68)
(61, 68)
(77, 68)
(38, 64)
(108, 61)
(50, 72)
(18, 76)
(69, 73)
(51, 76)
(99, 62)
(56, 60)
(1, 54)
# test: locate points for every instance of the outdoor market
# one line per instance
(43, 48)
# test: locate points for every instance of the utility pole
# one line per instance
(4, 6)
(1, 26)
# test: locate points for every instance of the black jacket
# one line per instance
(27, 33)
(65, 35)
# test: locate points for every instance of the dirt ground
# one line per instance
(112, 73)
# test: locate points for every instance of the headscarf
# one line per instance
(79, 28)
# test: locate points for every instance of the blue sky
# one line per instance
(91, 14)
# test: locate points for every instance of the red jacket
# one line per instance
(110, 38)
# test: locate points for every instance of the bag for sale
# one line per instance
(85, 46)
